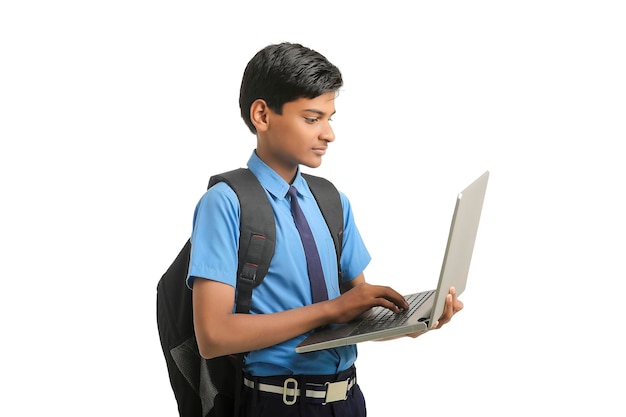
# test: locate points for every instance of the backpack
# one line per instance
(211, 387)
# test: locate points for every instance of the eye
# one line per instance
(311, 120)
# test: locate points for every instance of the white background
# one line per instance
(114, 114)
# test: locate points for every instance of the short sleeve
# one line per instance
(215, 236)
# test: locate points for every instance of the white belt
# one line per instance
(329, 392)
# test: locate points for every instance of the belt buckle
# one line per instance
(336, 391)
(295, 391)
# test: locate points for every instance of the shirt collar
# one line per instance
(274, 183)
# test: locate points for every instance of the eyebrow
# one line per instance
(318, 112)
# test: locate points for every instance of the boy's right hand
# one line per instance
(363, 296)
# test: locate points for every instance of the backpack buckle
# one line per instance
(248, 273)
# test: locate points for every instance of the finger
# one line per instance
(454, 301)
(383, 302)
(397, 298)
(457, 305)
(394, 297)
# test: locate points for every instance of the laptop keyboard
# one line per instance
(385, 318)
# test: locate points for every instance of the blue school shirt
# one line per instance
(214, 245)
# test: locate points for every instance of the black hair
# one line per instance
(285, 72)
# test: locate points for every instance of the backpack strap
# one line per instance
(329, 202)
(257, 239)
(257, 233)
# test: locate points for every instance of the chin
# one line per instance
(312, 164)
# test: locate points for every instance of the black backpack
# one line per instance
(211, 388)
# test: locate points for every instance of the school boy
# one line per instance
(287, 99)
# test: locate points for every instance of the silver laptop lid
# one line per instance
(460, 246)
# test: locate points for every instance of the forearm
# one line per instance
(234, 333)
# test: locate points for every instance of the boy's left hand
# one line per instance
(453, 305)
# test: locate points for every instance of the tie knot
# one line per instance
(293, 192)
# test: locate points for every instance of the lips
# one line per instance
(320, 150)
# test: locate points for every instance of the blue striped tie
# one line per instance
(313, 263)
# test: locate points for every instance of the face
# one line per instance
(300, 135)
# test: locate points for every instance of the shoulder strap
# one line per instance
(257, 239)
(257, 232)
(329, 202)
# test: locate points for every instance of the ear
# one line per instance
(259, 114)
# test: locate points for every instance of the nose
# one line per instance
(327, 133)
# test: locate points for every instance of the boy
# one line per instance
(287, 99)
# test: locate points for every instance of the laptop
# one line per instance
(425, 307)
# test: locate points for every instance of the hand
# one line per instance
(453, 305)
(364, 296)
